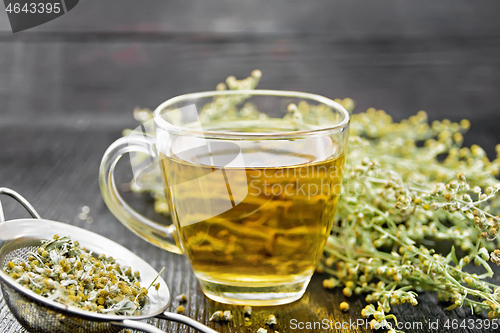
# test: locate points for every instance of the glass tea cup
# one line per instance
(252, 179)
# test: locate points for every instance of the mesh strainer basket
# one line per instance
(39, 314)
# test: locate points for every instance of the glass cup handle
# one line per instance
(140, 225)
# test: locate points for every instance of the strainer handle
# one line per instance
(144, 327)
(137, 325)
(21, 200)
(186, 321)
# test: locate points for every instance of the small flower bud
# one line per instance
(256, 73)
(483, 253)
(495, 257)
(344, 306)
(465, 123)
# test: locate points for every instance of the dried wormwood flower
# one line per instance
(495, 257)
(221, 316)
(182, 298)
(216, 316)
(227, 316)
(247, 311)
(271, 320)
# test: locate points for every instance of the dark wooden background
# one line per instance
(67, 89)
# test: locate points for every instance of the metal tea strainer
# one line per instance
(38, 314)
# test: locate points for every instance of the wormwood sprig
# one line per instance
(63, 271)
(407, 186)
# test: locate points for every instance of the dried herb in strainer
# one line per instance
(63, 271)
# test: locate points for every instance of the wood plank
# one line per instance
(347, 18)
(447, 77)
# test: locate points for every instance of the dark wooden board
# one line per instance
(95, 75)
(67, 89)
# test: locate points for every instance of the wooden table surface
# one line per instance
(68, 88)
